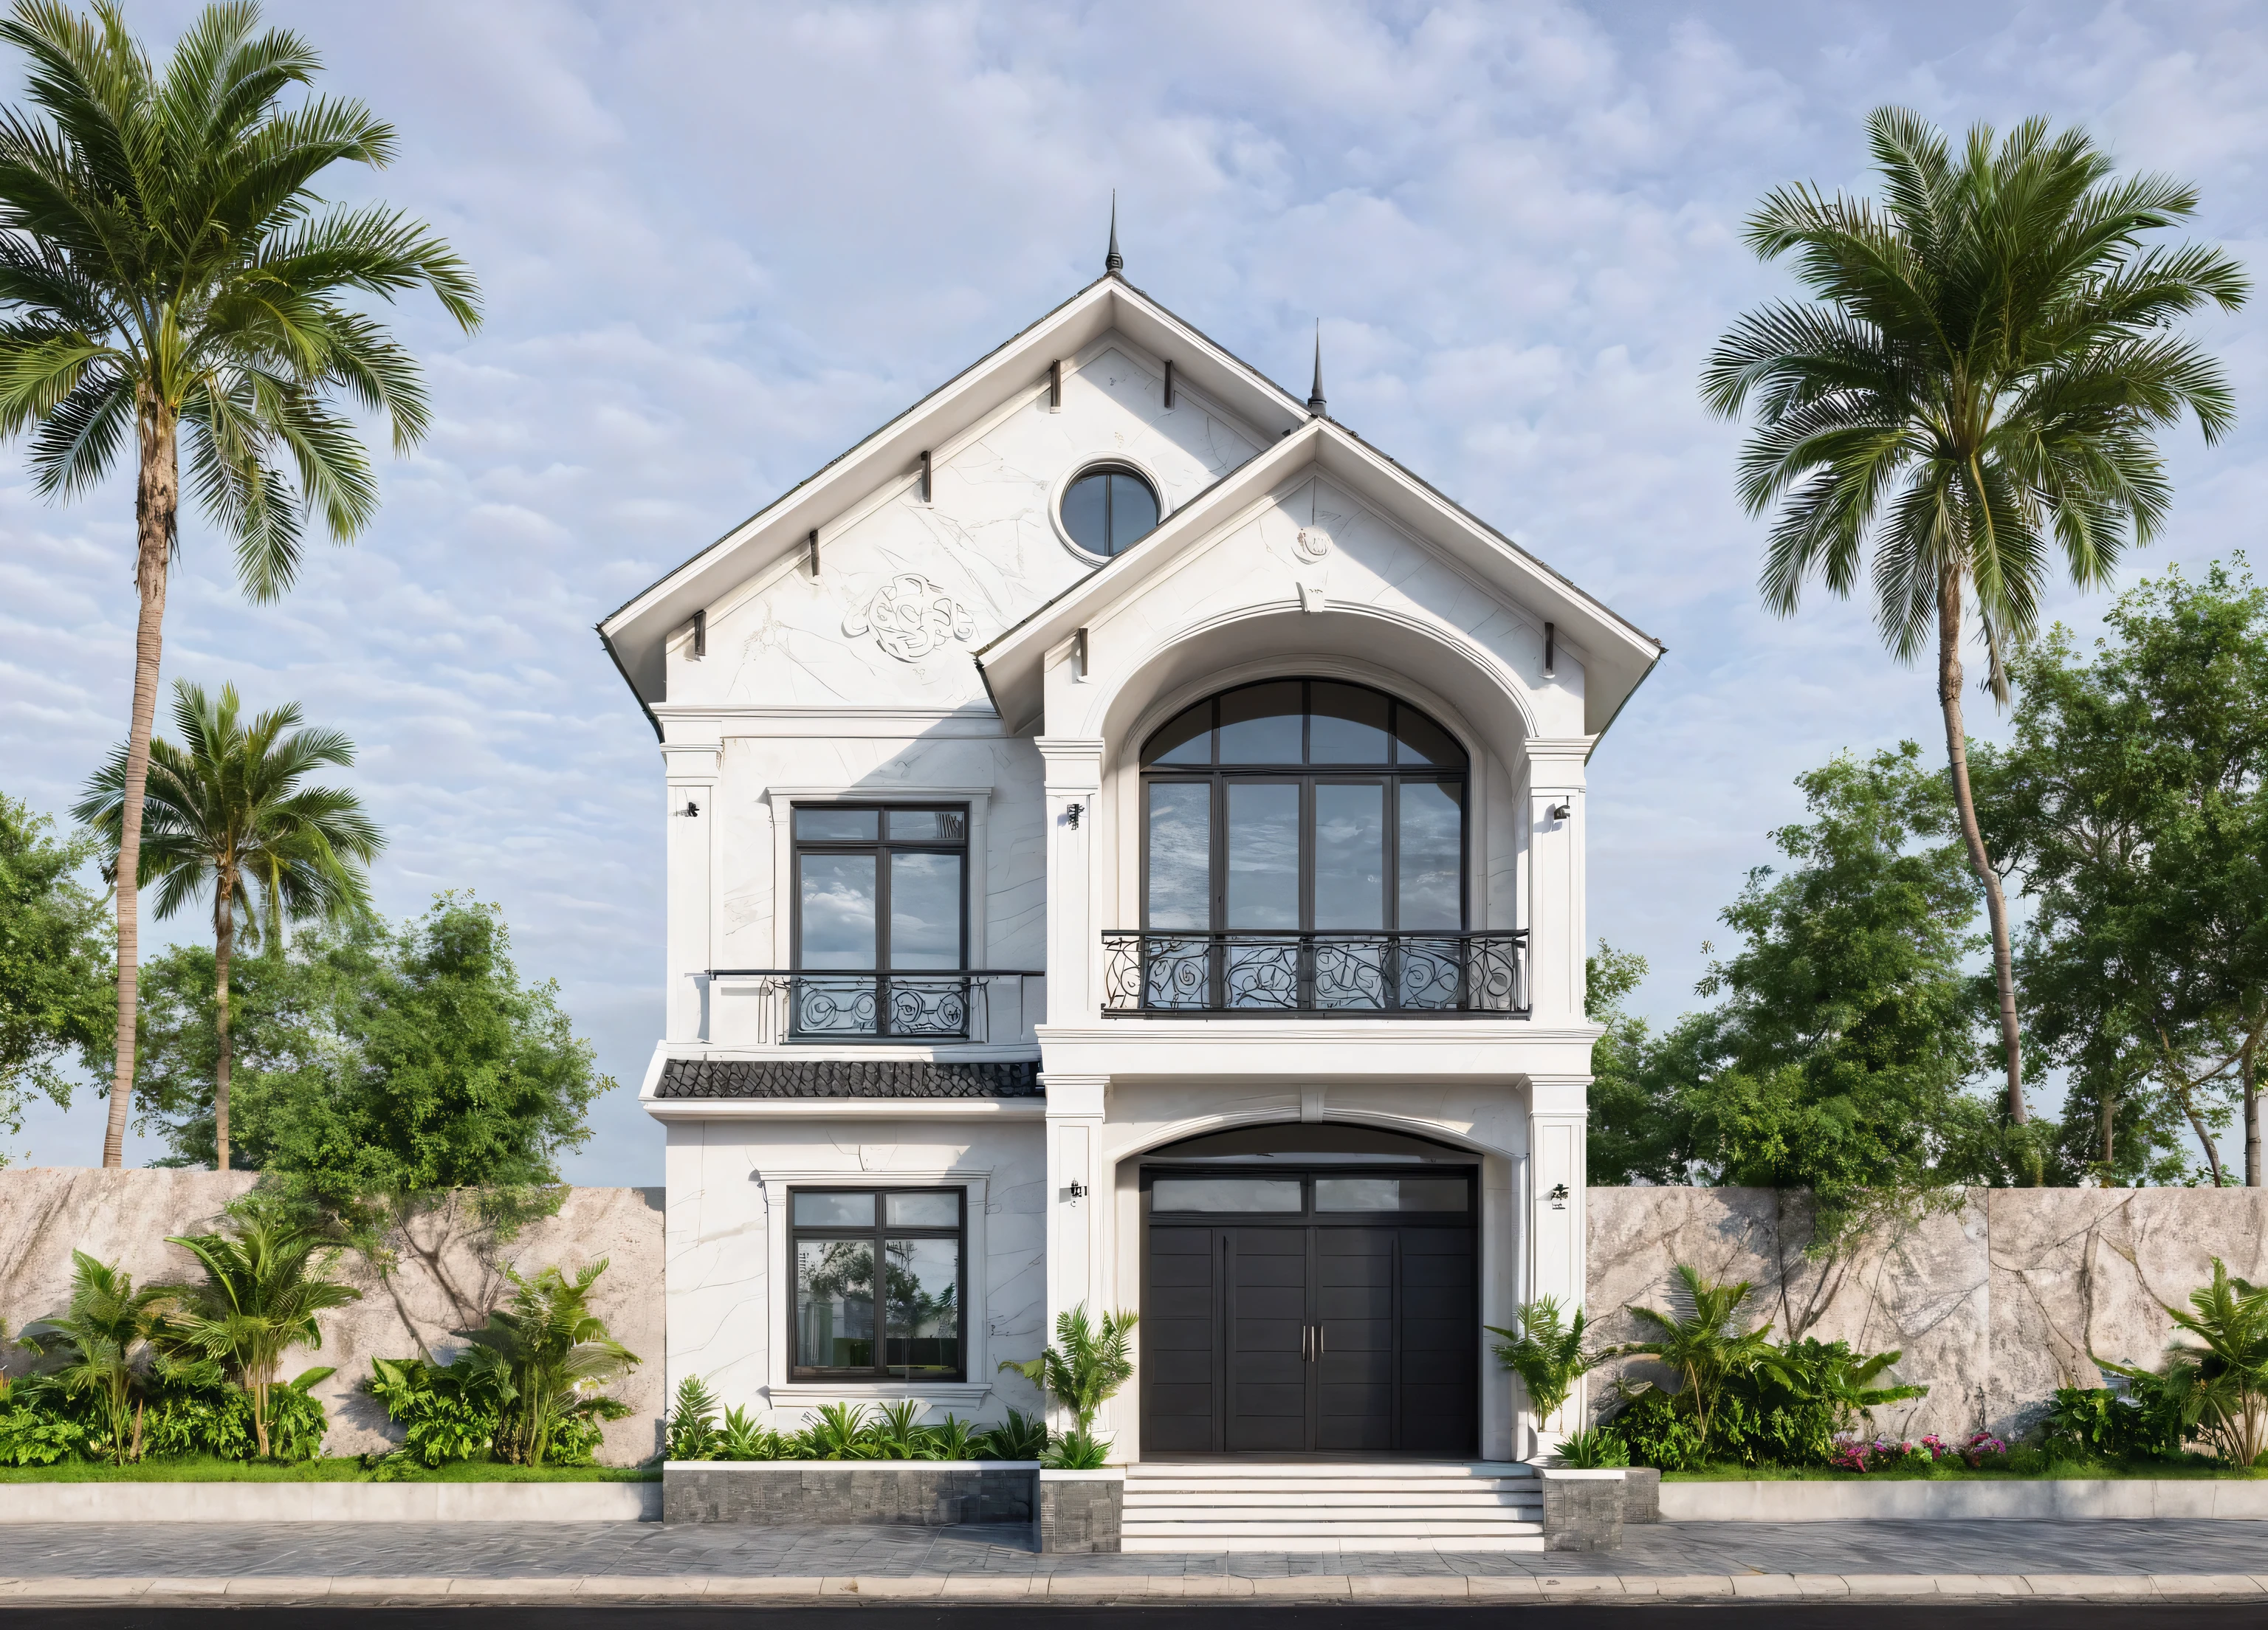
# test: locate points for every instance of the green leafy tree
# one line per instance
(267, 1280)
(1976, 382)
(228, 810)
(55, 960)
(102, 1342)
(549, 1356)
(169, 270)
(396, 1064)
(2133, 800)
(1636, 1133)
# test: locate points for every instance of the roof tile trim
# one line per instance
(846, 1078)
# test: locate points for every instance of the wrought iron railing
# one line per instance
(1169, 971)
(867, 1005)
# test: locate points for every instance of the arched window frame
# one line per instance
(1220, 774)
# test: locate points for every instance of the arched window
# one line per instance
(1298, 805)
(1109, 509)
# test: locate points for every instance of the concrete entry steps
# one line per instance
(1377, 1505)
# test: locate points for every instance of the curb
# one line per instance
(1100, 1588)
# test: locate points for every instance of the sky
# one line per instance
(720, 244)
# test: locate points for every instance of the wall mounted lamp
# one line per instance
(1557, 1197)
(1560, 812)
(691, 809)
(1077, 1192)
(1071, 812)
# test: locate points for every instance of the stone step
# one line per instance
(1399, 1471)
(1459, 1499)
(1337, 1490)
(1412, 1511)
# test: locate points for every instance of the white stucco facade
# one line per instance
(955, 646)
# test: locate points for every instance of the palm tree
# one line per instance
(266, 1279)
(107, 1329)
(1545, 1350)
(1983, 364)
(2221, 1384)
(166, 267)
(227, 807)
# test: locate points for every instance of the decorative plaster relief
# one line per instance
(1312, 543)
(910, 617)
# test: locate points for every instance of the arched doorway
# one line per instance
(1310, 1289)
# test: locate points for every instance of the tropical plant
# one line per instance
(689, 1432)
(448, 1412)
(1078, 1449)
(103, 1341)
(169, 270)
(549, 1355)
(55, 961)
(837, 1432)
(953, 1439)
(1017, 1437)
(226, 809)
(2219, 1383)
(1594, 1449)
(1981, 368)
(1085, 1367)
(742, 1438)
(266, 1279)
(1546, 1352)
(1697, 1342)
(896, 1431)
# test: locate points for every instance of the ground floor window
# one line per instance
(880, 1282)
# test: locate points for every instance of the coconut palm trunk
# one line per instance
(157, 503)
(224, 952)
(1972, 835)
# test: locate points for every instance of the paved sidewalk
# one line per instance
(410, 1562)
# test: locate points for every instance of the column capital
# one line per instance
(1558, 1097)
(1074, 1097)
(1074, 763)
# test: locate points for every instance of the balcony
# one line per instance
(1180, 972)
(795, 1006)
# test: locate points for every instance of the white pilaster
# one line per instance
(1074, 777)
(692, 778)
(1557, 1128)
(1078, 1199)
(1556, 922)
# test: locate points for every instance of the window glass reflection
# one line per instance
(833, 825)
(1263, 854)
(833, 1210)
(1187, 739)
(835, 1304)
(1429, 872)
(1180, 854)
(941, 1209)
(1390, 1194)
(1421, 742)
(1224, 1194)
(1347, 725)
(924, 910)
(922, 1306)
(1133, 511)
(1261, 724)
(1350, 856)
(837, 902)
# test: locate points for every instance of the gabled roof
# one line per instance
(1616, 655)
(635, 633)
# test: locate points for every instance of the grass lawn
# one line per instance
(339, 1469)
(1957, 1473)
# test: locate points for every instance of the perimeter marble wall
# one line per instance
(1994, 1303)
(445, 1278)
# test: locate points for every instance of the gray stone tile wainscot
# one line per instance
(1079, 1511)
(1582, 1510)
(835, 1493)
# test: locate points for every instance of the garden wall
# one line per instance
(448, 1275)
(1994, 1303)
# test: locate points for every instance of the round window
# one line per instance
(1107, 509)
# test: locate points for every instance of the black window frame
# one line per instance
(1390, 774)
(880, 1234)
(881, 846)
(1110, 466)
(1468, 1173)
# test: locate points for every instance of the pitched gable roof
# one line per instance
(633, 634)
(1615, 654)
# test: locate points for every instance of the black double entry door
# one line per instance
(1319, 1327)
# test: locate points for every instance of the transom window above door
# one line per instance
(1304, 805)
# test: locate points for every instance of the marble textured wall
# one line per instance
(445, 1278)
(1994, 1303)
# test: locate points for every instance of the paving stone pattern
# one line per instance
(657, 1551)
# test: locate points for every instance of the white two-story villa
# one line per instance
(1125, 849)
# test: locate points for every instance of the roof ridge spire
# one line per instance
(1317, 408)
(1113, 263)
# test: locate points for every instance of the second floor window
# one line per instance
(880, 887)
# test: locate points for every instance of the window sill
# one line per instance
(965, 1394)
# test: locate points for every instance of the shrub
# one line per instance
(448, 1412)
(690, 1432)
(1546, 1352)
(1085, 1367)
(1593, 1451)
(1077, 1449)
(1019, 1437)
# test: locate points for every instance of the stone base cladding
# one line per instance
(1642, 1495)
(1582, 1510)
(1081, 1511)
(819, 1494)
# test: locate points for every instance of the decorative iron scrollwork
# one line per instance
(1191, 970)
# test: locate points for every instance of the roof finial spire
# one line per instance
(1113, 262)
(1315, 403)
